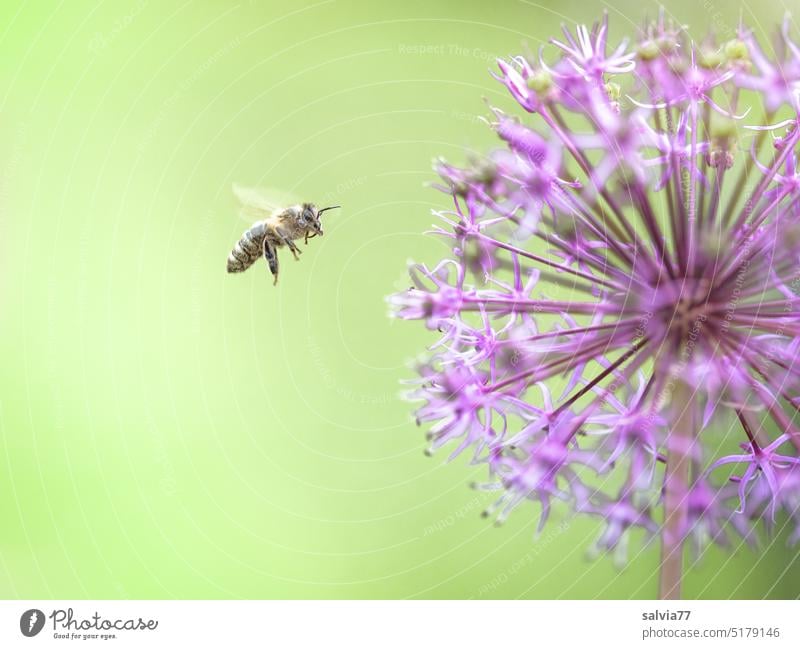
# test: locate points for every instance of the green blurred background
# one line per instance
(168, 430)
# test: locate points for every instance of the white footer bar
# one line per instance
(399, 624)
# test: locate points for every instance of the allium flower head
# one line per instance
(623, 289)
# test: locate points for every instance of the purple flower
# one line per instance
(623, 265)
(586, 52)
(621, 516)
(434, 301)
(774, 79)
(761, 497)
(762, 464)
(538, 464)
(710, 516)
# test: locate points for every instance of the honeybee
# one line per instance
(276, 227)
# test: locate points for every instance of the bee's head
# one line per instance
(311, 217)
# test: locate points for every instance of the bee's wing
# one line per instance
(257, 203)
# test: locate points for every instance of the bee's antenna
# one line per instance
(325, 209)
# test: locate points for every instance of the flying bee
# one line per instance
(276, 227)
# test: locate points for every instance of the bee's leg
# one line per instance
(271, 255)
(291, 244)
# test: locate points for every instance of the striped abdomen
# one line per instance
(248, 249)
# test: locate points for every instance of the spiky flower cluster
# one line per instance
(622, 301)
